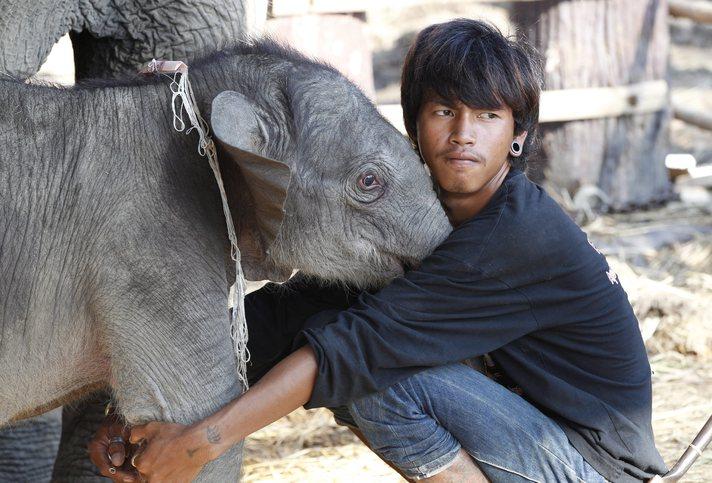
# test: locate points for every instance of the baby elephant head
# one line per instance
(325, 185)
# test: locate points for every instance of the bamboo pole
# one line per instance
(693, 451)
(697, 11)
(693, 116)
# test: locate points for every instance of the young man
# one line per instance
(516, 279)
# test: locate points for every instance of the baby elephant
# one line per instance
(114, 260)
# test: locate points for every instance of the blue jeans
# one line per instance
(420, 424)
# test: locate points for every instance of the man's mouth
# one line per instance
(462, 158)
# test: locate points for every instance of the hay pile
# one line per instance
(663, 259)
(309, 446)
(682, 402)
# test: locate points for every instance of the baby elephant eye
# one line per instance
(369, 181)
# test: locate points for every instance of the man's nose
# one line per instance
(463, 133)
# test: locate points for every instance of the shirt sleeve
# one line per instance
(443, 312)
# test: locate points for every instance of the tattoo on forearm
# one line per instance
(213, 434)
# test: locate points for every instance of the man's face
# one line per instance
(464, 147)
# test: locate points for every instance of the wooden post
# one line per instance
(255, 16)
(339, 39)
(602, 43)
(696, 11)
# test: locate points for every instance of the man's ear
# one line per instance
(239, 132)
(517, 145)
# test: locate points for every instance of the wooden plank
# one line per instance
(600, 102)
(697, 11)
(692, 116)
(697, 176)
(280, 8)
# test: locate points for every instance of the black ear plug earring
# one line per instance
(515, 148)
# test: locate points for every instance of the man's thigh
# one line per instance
(423, 420)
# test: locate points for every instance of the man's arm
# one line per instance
(443, 312)
(174, 452)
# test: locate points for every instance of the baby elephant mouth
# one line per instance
(410, 264)
(403, 262)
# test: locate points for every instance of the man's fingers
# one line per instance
(117, 452)
(138, 434)
(99, 456)
(117, 443)
(144, 431)
(125, 475)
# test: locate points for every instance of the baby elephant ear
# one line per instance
(239, 132)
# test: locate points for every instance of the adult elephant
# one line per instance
(109, 38)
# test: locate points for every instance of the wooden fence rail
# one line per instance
(697, 11)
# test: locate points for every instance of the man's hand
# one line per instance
(111, 452)
(169, 452)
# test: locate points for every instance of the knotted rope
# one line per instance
(183, 101)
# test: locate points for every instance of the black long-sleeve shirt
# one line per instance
(521, 282)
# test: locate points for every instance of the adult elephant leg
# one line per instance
(28, 30)
(119, 36)
(80, 420)
(28, 448)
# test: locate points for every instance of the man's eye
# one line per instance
(369, 181)
(444, 112)
(489, 115)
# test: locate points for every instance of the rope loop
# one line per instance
(183, 101)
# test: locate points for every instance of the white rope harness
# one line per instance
(184, 100)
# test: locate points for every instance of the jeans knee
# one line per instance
(404, 397)
(368, 407)
(398, 427)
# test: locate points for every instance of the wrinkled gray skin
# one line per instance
(113, 254)
(36, 438)
(112, 37)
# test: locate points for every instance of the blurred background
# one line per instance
(625, 148)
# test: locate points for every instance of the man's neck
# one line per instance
(460, 207)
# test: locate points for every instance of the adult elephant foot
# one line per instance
(28, 449)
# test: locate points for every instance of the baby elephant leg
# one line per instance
(177, 364)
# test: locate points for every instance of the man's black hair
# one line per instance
(473, 62)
